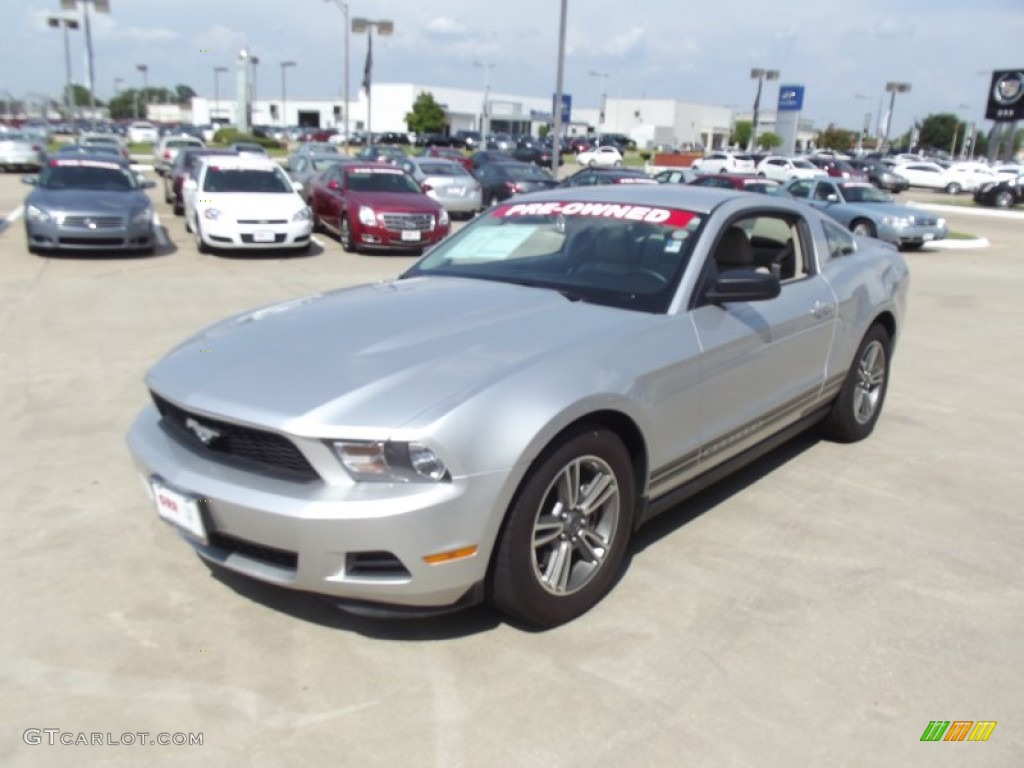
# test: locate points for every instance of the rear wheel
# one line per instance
(567, 530)
(856, 409)
(953, 188)
(1003, 199)
(863, 227)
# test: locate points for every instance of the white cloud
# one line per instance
(444, 26)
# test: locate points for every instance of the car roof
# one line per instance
(242, 162)
(682, 196)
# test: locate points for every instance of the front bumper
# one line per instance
(467, 203)
(914, 235)
(383, 238)
(238, 235)
(56, 236)
(361, 542)
(26, 159)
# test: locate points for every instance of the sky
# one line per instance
(842, 52)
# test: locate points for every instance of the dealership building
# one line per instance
(646, 121)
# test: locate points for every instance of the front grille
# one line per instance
(925, 221)
(110, 241)
(408, 220)
(262, 221)
(262, 451)
(277, 239)
(93, 222)
(279, 557)
(376, 564)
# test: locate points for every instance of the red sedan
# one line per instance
(839, 169)
(448, 153)
(739, 181)
(375, 206)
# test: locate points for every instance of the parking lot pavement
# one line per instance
(821, 608)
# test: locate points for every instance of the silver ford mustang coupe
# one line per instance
(495, 423)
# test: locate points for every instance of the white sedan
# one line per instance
(245, 202)
(600, 157)
(962, 177)
(784, 169)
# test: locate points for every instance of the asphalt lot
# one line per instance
(818, 609)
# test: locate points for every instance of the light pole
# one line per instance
(216, 91)
(385, 27)
(892, 88)
(100, 6)
(144, 69)
(760, 75)
(556, 147)
(604, 93)
(254, 60)
(344, 12)
(487, 91)
(284, 91)
(956, 130)
(66, 23)
(867, 121)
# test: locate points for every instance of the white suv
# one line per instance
(785, 168)
(724, 162)
(142, 133)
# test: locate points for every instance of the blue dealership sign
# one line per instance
(791, 98)
(566, 106)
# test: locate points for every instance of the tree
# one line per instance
(122, 106)
(427, 115)
(937, 131)
(837, 138)
(740, 133)
(769, 140)
(80, 96)
(183, 94)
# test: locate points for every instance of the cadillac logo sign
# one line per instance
(1006, 96)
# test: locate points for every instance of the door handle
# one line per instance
(822, 309)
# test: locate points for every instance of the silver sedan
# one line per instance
(496, 423)
(451, 185)
(19, 151)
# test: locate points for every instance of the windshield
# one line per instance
(381, 180)
(526, 172)
(805, 164)
(442, 169)
(618, 255)
(245, 180)
(865, 193)
(86, 174)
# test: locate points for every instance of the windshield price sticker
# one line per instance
(392, 171)
(598, 210)
(84, 164)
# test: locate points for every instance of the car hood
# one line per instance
(377, 355)
(394, 201)
(100, 202)
(890, 209)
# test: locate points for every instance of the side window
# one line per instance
(771, 243)
(823, 191)
(299, 165)
(801, 188)
(840, 241)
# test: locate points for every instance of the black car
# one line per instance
(488, 156)
(502, 180)
(536, 153)
(620, 141)
(881, 176)
(391, 138)
(1001, 194)
(439, 140)
(589, 177)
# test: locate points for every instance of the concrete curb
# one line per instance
(956, 245)
(968, 210)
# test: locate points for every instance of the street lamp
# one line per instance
(344, 12)
(893, 88)
(254, 60)
(956, 130)
(144, 69)
(385, 28)
(284, 92)
(100, 6)
(66, 23)
(760, 75)
(216, 90)
(487, 90)
(604, 92)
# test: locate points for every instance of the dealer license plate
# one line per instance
(263, 237)
(928, 236)
(411, 235)
(179, 510)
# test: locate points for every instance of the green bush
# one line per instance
(231, 135)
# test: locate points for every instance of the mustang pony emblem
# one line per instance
(205, 434)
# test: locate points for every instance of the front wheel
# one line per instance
(863, 227)
(953, 188)
(856, 409)
(201, 245)
(1003, 199)
(345, 236)
(567, 530)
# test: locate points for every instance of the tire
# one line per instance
(345, 236)
(201, 245)
(554, 581)
(953, 188)
(591, 164)
(855, 411)
(1003, 199)
(911, 246)
(863, 227)
(178, 210)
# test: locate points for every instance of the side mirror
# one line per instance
(297, 186)
(832, 198)
(148, 184)
(30, 180)
(333, 184)
(743, 285)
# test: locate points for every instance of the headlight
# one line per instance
(145, 216)
(442, 220)
(304, 215)
(940, 223)
(37, 214)
(390, 462)
(897, 221)
(211, 213)
(366, 216)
